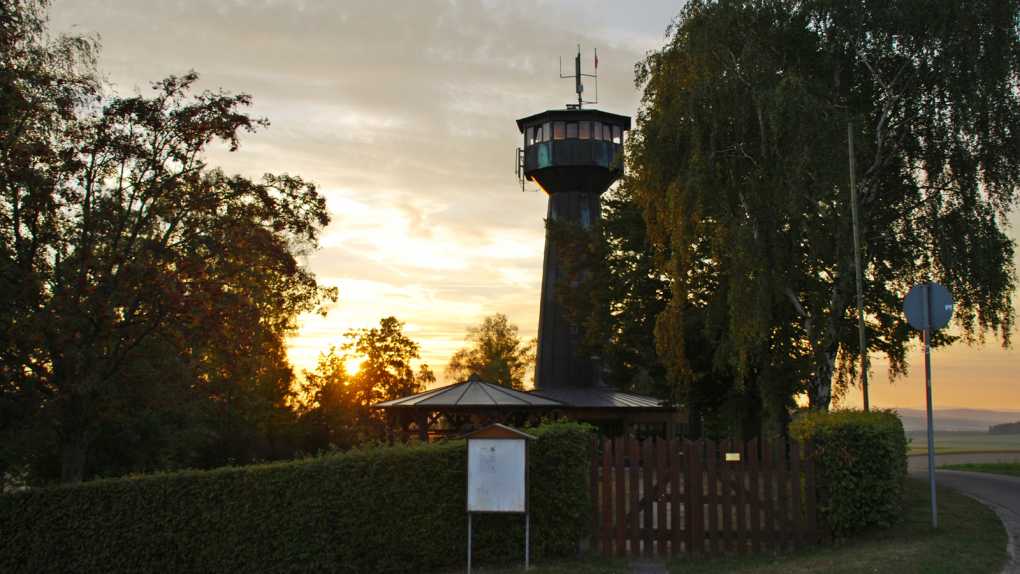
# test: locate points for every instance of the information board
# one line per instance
(496, 475)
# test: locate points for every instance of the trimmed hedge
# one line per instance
(861, 461)
(384, 509)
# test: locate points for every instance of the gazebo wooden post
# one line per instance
(421, 418)
(391, 424)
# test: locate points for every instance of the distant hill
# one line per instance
(975, 420)
(1005, 428)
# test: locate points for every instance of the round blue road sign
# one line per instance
(938, 301)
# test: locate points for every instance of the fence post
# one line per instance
(621, 500)
(606, 533)
(662, 482)
(739, 477)
(593, 541)
(647, 518)
(722, 496)
(798, 492)
(692, 486)
(756, 494)
(678, 454)
(634, 451)
(782, 498)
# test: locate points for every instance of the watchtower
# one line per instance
(573, 155)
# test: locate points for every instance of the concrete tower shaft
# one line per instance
(573, 155)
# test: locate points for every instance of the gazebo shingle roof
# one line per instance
(472, 393)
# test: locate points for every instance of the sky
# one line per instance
(403, 115)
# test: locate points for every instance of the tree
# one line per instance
(738, 164)
(385, 372)
(337, 410)
(495, 353)
(118, 241)
(42, 82)
(611, 287)
(333, 406)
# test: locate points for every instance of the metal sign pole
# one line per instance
(469, 543)
(927, 392)
(527, 538)
(928, 307)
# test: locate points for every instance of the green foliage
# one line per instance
(496, 354)
(739, 162)
(386, 372)
(610, 288)
(336, 412)
(383, 509)
(147, 295)
(861, 461)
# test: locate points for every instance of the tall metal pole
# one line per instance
(469, 544)
(857, 264)
(927, 392)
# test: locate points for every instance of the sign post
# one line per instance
(929, 306)
(498, 477)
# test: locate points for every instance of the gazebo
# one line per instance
(574, 155)
(474, 403)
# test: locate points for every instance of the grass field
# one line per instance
(1008, 468)
(971, 539)
(949, 442)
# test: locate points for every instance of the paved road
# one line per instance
(1000, 493)
(919, 462)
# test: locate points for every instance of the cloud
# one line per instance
(403, 114)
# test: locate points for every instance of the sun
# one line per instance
(352, 364)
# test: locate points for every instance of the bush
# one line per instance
(861, 462)
(384, 509)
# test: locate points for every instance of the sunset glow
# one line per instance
(352, 365)
(405, 120)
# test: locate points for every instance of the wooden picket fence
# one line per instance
(664, 497)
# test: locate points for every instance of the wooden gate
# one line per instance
(659, 497)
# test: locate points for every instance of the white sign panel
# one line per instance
(496, 475)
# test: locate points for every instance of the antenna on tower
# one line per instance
(578, 85)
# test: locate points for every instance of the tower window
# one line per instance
(571, 130)
(584, 130)
(538, 133)
(530, 138)
(558, 130)
(617, 135)
(546, 131)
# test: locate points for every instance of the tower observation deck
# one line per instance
(573, 155)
